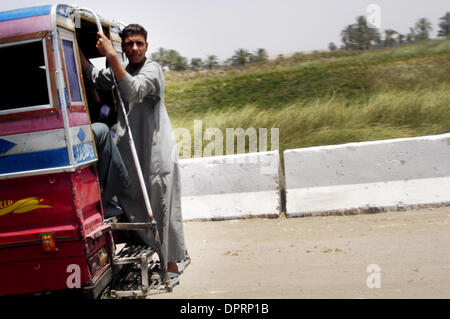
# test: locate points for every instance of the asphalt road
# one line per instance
(384, 255)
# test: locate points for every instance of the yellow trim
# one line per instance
(65, 26)
(23, 206)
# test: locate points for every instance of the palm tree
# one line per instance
(211, 61)
(179, 63)
(161, 56)
(423, 27)
(259, 56)
(196, 63)
(360, 36)
(348, 36)
(332, 46)
(389, 41)
(411, 36)
(241, 57)
(366, 36)
(444, 25)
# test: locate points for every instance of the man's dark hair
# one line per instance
(133, 29)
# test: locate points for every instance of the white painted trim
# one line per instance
(233, 205)
(368, 176)
(45, 140)
(371, 197)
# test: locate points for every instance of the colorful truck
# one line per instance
(53, 234)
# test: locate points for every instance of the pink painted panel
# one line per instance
(24, 26)
(31, 124)
(78, 118)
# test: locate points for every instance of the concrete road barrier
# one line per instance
(231, 186)
(369, 176)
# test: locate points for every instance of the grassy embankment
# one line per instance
(322, 98)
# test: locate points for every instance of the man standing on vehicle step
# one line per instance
(141, 84)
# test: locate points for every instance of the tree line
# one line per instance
(172, 60)
(362, 36)
(357, 36)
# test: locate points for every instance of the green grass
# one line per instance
(323, 98)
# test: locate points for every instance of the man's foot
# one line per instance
(158, 276)
(172, 267)
(172, 271)
(184, 263)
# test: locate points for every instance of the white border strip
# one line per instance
(231, 205)
(45, 140)
(370, 198)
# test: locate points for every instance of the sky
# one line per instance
(198, 28)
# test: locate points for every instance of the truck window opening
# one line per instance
(72, 72)
(23, 65)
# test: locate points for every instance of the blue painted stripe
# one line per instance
(65, 97)
(33, 161)
(6, 145)
(25, 13)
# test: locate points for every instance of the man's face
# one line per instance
(135, 48)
